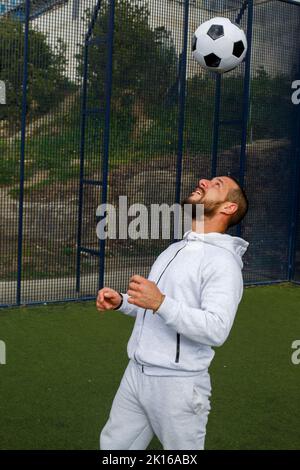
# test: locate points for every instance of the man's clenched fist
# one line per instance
(107, 299)
(144, 293)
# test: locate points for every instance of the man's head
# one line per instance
(225, 202)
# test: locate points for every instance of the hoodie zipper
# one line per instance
(178, 335)
(177, 348)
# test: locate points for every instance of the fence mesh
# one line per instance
(43, 135)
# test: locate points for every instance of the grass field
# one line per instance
(65, 362)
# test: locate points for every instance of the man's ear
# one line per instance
(229, 208)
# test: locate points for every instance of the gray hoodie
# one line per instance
(202, 281)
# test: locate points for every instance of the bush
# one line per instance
(270, 110)
(144, 60)
(47, 84)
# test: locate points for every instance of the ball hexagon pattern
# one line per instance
(219, 45)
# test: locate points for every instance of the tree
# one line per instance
(144, 59)
(46, 85)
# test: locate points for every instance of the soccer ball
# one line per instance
(219, 45)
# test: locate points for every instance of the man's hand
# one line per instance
(144, 293)
(107, 299)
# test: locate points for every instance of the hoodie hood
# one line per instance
(236, 245)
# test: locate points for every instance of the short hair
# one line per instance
(238, 196)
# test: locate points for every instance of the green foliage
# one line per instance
(9, 163)
(47, 84)
(144, 118)
(144, 61)
(199, 114)
(57, 150)
(271, 112)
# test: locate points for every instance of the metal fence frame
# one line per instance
(84, 112)
(247, 5)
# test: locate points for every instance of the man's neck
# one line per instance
(207, 226)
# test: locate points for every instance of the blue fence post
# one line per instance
(216, 128)
(246, 93)
(82, 139)
(182, 101)
(81, 169)
(293, 229)
(295, 195)
(108, 93)
(22, 150)
(246, 101)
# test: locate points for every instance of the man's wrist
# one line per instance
(121, 302)
(161, 301)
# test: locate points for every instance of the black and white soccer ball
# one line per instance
(219, 45)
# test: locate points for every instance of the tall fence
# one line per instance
(103, 98)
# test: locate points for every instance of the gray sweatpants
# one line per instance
(175, 409)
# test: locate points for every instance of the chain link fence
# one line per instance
(162, 138)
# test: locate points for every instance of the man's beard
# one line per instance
(209, 207)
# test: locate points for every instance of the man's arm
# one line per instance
(222, 289)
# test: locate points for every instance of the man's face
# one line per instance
(211, 193)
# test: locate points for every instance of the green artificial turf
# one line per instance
(65, 362)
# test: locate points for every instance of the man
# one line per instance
(185, 307)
